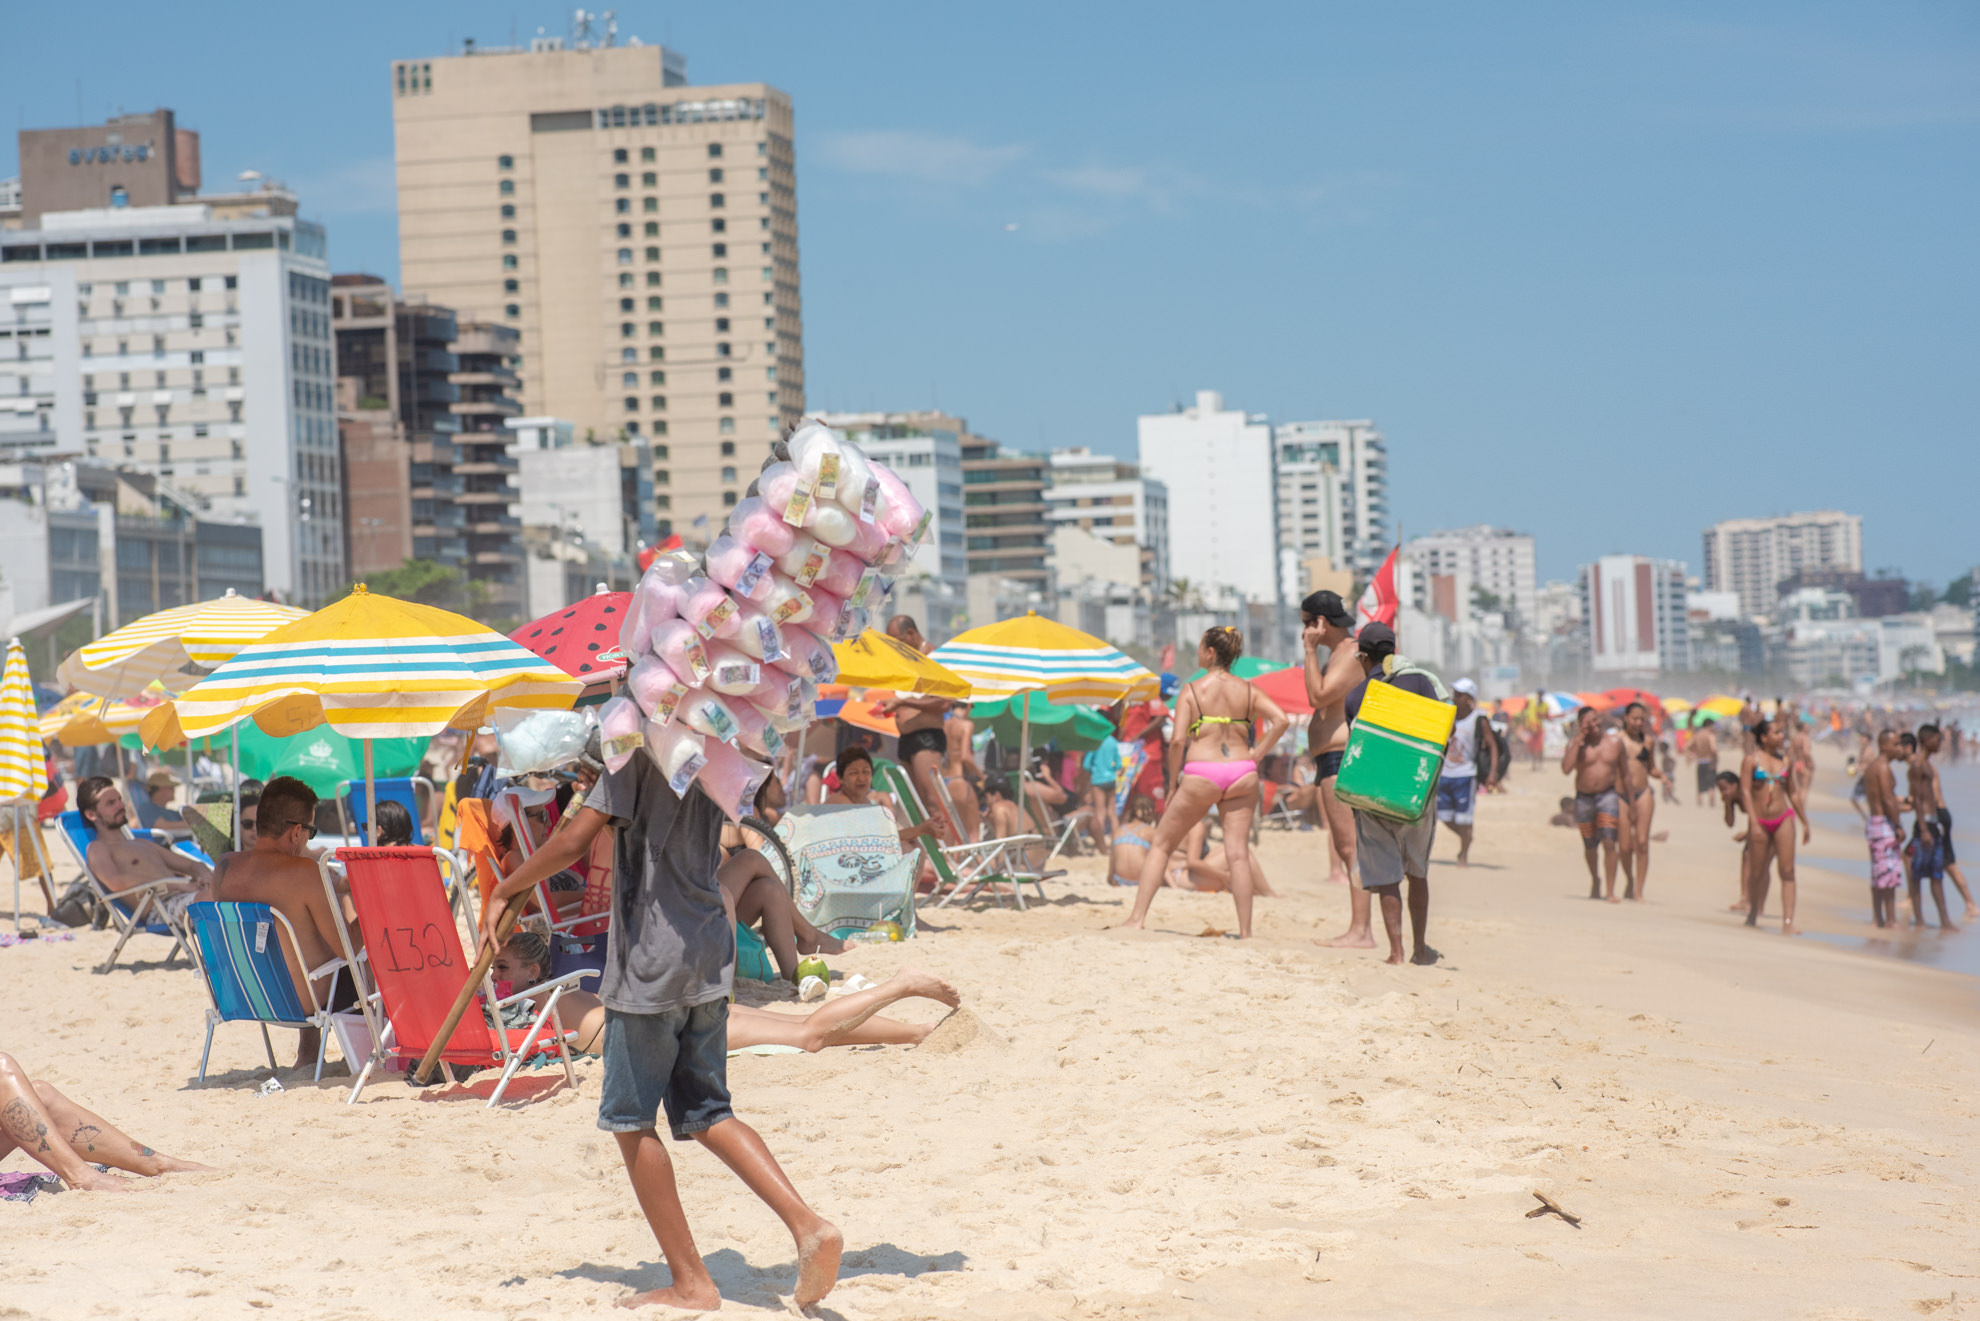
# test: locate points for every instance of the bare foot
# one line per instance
(1790, 931)
(1736, 908)
(1424, 956)
(1947, 924)
(1349, 940)
(1395, 960)
(818, 1263)
(172, 1165)
(672, 1296)
(1337, 878)
(1129, 925)
(1614, 900)
(98, 1182)
(928, 986)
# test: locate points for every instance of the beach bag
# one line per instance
(1395, 750)
(79, 907)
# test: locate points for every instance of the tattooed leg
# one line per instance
(68, 1139)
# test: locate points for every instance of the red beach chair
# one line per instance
(415, 957)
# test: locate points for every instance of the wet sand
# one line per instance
(1126, 1125)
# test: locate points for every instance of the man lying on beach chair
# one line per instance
(279, 871)
(145, 886)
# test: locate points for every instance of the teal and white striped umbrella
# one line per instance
(1034, 653)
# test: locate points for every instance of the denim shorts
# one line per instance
(678, 1058)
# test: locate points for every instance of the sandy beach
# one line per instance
(1123, 1125)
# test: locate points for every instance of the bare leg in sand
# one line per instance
(1340, 843)
(846, 1020)
(68, 1139)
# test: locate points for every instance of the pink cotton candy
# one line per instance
(805, 560)
(738, 566)
(656, 686)
(731, 780)
(778, 483)
(707, 605)
(657, 598)
(786, 602)
(810, 658)
(678, 751)
(757, 635)
(753, 732)
(899, 510)
(869, 542)
(621, 729)
(825, 611)
(755, 523)
(677, 643)
(841, 573)
(705, 713)
(775, 692)
(730, 672)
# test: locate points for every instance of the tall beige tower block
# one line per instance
(640, 233)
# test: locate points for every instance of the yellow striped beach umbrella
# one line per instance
(23, 767)
(81, 719)
(1033, 652)
(160, 646)
(874, 660)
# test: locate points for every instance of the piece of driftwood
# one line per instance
(1549, 1206)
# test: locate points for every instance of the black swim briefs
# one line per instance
(1329, 763)
(923, 740)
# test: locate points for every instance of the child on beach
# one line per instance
(669, 963)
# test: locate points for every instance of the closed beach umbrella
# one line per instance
(874, 660)
(160, 647)
(23, 762)
(370, 667)
(1032, 653)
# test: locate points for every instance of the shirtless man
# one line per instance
(1801, 752)
(1594, 758)
(1932, 857)
(279, 871)
(924, 744)
(1704, 749)
(1328, 624)
(121, 862)
(1639, 800)
(1883, 829)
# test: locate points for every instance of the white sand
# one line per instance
(1124, 1126)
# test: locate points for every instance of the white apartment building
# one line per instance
(1635, 613)
(640, 234)
(1109, 500)
(1485, 558)
(1824, 652)
(1359, 457)
(1218, 467)
(1751, 556)
(928, 459)
(192, 342)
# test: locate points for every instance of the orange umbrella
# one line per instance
(862, 715)
(1600, 701)
(1624, 696)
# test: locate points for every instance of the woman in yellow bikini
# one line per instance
(1229, 725)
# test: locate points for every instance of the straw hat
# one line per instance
(160, 779)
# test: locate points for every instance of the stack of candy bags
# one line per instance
(728, 648)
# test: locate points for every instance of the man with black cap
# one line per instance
(1391, 852)
(1328, 624)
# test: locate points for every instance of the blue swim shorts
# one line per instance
(678, 1059)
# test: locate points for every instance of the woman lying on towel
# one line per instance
(848, 1020)
(72, 1142)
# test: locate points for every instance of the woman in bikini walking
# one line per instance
(1773, 803)
(1214, 764)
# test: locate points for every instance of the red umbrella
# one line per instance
(581, 640)
(1624, 696)
(1287, 687)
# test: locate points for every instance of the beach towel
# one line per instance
(23, 1186)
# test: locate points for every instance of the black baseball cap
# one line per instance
(1376, 640)
(1327, 606)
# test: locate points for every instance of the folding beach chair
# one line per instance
(419, 967)
(964, 869)
(577, 941)
(1061, 830)
(238, 948)
(135, 911)
(403, 790)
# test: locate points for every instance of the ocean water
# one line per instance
(1954, 951)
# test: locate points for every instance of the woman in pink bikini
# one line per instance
(1215, 764)
(1773, 803)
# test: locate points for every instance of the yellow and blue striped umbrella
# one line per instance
(1033, 652)
(369, 667)
(160, 646)
(23, 761)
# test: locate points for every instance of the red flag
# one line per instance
(1168, 662)
(1380, 602)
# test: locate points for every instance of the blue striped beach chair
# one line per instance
(238, 948)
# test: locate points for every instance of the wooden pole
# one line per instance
(503, 926)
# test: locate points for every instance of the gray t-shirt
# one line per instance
(672, 945)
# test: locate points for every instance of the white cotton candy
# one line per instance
(757, 634)
(656, 599)
(705, 713)
(785, 601)
(678, 751)
(621, 729)
(805, 560)
(730, 672)
(837, 469)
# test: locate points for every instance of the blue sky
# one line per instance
(1601, 273)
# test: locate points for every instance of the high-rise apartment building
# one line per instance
(1312, 507)
(1635, 610)
(925, 451)
(639, 234)
(188, 341)
(1004, 512)
(1359, 457)
(1751, 556)
(1488, 559)
(1110, 500)
(1218, 466)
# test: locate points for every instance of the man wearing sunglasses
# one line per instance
(279, 871)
